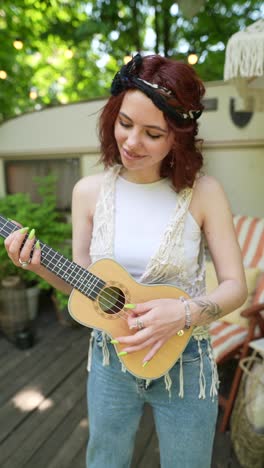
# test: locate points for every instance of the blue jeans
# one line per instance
(185, 426)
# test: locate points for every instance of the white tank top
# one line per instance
(142, 213)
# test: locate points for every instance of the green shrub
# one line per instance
(49, 223)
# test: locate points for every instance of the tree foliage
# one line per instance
(99, 33)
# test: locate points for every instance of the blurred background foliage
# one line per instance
(61, 51)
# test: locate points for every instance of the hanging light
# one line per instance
(18, 44)
(192, 58)
(68, 53)
(3, 75)
(33, 94)
(62, 80)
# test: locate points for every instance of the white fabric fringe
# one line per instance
(105, 350)
(90, 351)
(181, 391)
(215, 379)
(168, 383)
(167, 379)
(202, 381)
(245, 53)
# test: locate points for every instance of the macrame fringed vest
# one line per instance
(164, 266)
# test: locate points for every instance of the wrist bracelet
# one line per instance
(188, 316)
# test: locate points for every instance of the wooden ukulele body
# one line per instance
(91, 314)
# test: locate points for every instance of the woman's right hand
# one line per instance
(27, 255)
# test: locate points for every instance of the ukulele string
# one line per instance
(157, 280)
(106, 294)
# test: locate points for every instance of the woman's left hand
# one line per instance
(160, 320)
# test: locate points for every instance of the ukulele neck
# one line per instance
(72, 273)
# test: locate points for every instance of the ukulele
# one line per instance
(98, 298)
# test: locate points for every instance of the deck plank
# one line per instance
(37, 360)
(42, 384)
(19, 363)
(146, 444)
(57, 442)
(30, 435)
(72, 444)
(5, 347)
(150, 457)
(79, 459)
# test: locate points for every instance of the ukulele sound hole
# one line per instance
(111, 300)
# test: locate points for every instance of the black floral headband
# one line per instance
(127, 78)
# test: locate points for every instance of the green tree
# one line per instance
(48, 29)
(98, 34)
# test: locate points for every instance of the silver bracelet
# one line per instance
(188, 316)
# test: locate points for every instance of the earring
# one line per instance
(172, 162)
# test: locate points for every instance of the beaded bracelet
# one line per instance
(188, 317)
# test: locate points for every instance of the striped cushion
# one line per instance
(250, 233)
(259, 294)
(225, 337)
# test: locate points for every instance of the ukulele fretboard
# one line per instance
(72, 273)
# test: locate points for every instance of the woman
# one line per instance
(150, 210)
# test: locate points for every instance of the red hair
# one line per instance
(188, 90)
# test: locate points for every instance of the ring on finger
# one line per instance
(139, 324)
(24, 263)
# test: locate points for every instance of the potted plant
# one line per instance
(52, 228)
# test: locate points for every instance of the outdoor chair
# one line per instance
(232, 334)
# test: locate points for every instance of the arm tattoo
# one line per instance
(209, 310)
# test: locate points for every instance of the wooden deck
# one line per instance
(43, 404)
